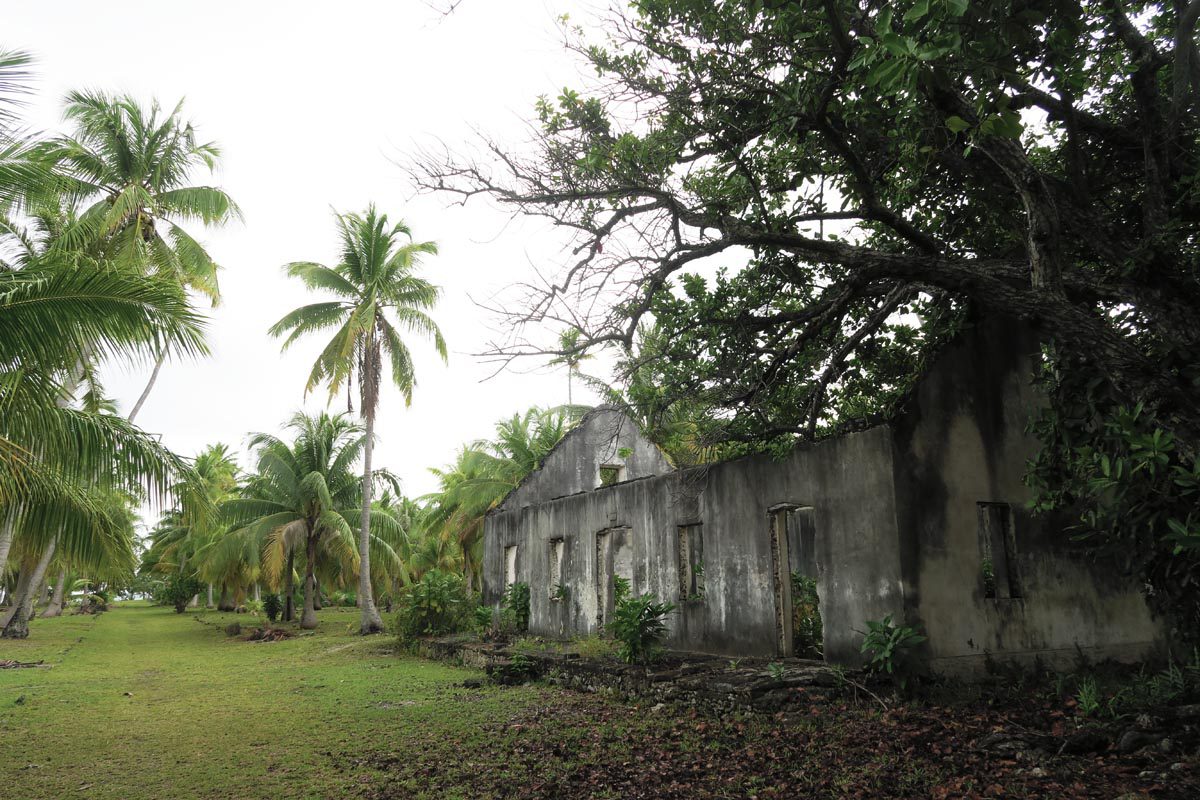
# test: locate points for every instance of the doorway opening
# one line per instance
(794, 573)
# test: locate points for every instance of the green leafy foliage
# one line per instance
(178, 591)
(807, 628)
(639, 626)
(515, 607)
(272, 606)
(433, 606)
(1132, 485)
(886, 643)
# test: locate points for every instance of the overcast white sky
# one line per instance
(312, 102)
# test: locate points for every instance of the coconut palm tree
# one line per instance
(481, 477)
(571, 355)
(379, 296)
(132, 167)
(307, 491)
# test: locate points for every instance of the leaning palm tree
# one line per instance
(133, 167)
(379, 296)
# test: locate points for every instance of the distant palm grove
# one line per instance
(96, 267)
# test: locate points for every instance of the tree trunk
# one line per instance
(317, 596)
(224, 603)
(257, 593)
(18, 592)
(18, 626)
(370, 621)
(209, 604)
(7, 530)
(309, 619)
(40, 595)
(56, 602)
(289, 588)
(158, 363)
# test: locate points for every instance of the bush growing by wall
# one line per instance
(515, 614)
(887, 646)
(639, 626)
(433, 606)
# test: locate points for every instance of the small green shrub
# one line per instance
(1088, 697)
(519, 668)
(621, 590)
(639, 626)
(483, 617)
(560, 593)
(886, 643)
(433, 606)
(178, 592)
(776, 670)
(515, 607)
(272, 606)
(343, 598)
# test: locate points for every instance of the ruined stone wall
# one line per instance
(963, 442)
(635, 527)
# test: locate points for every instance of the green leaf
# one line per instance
(957, 124)
(919, 10)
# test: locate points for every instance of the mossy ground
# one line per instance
(144, 703)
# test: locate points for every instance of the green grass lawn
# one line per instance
(142, 702)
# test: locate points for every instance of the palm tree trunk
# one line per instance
(209, 604)
(223, 602)
(158, 363)
(17, 593)
(317, 595)
(289, 588)
(18, 626)
(309, 618)
(8, 529)
(40, 595)
(60, 590)
(257, 593)
(370, 621)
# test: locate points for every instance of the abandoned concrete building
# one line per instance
(923, 518)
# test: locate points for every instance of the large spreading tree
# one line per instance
(874, 175)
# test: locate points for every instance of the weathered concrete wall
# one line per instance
(963, 442)
(896, 516)
(848, 482)
(603, 437)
